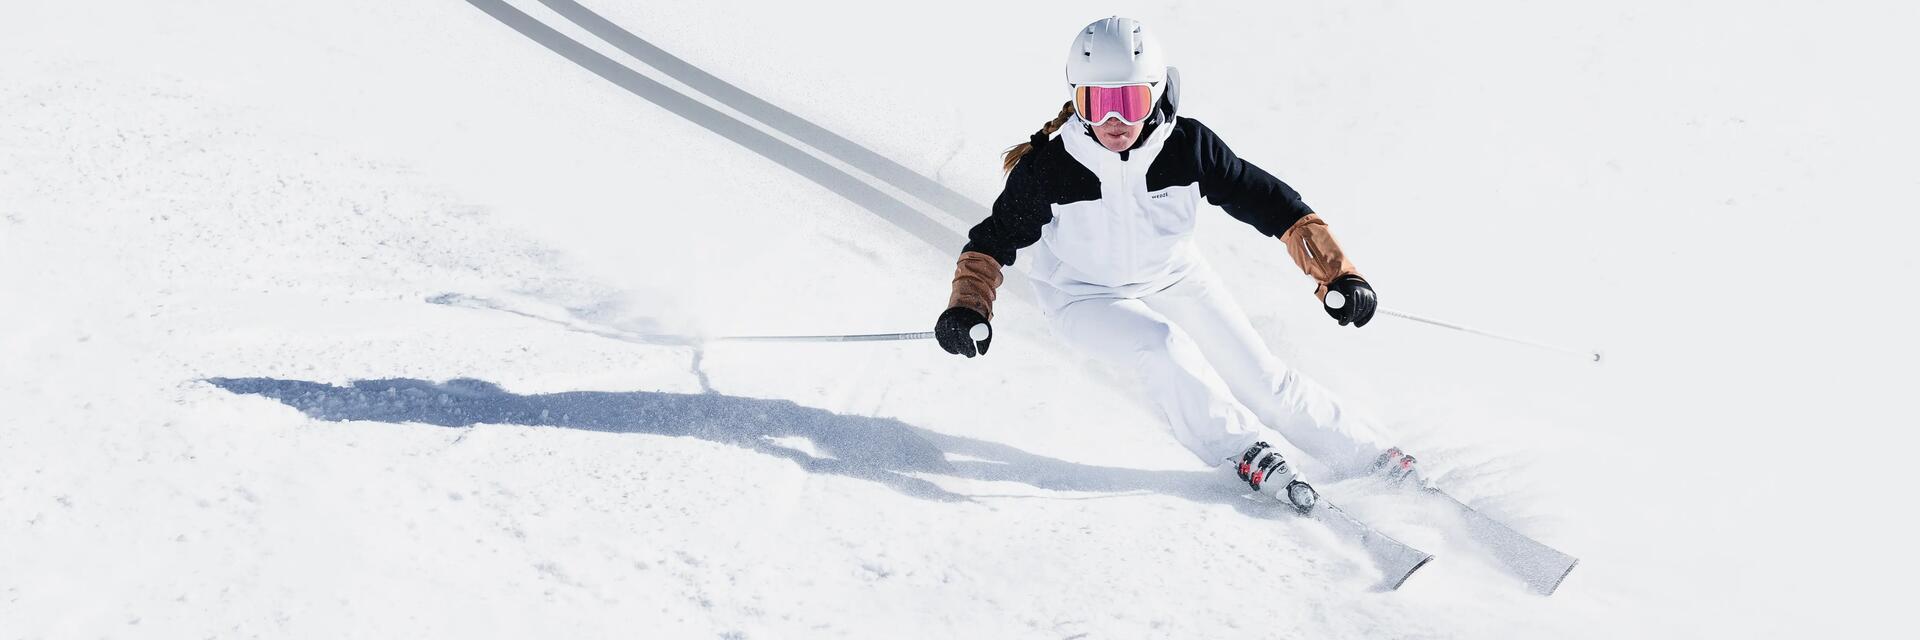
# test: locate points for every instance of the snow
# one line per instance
(232, 411)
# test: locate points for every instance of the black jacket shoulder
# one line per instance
(1046, 176)
(1193, 154)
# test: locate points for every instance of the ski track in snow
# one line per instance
(232, 411)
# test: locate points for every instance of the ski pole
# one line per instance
(1335, 300)
(979, 333)
(860, 337)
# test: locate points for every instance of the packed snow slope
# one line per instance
(231, 410)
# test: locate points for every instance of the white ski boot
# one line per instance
(1268, 473)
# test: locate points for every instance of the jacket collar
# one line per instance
(1089, 152)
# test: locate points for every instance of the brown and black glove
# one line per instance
(1318, 255)
(964, 328)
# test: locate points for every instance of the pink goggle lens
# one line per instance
(1131, 103)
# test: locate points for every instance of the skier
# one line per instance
(1110, 201)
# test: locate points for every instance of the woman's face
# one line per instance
(1117, 136)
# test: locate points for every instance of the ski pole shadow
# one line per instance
(881, 450)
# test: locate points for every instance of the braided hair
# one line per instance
(1016, 152)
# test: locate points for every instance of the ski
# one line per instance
(1541, 567)
(1396, 560)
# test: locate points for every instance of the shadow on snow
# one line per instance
(881, 450)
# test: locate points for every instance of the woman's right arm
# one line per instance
(1019, 214)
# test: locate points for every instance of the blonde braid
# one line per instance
(1016, 152)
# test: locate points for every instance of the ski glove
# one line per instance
(1355, 302)
(960, 329)
(1313, 249)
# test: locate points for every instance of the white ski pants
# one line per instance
(1210, 374)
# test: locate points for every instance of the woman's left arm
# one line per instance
(1247, 192)
(1255, 197)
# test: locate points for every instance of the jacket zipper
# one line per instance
(1130, 218)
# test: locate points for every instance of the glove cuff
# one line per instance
(975, 278)
(1311, 245)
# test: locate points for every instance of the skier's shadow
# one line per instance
(878, 449)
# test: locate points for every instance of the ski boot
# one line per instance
(1396, 466)
(1268, 473)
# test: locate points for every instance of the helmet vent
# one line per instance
(1115, 51)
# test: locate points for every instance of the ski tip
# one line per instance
(1404, 576)
(1548, 589)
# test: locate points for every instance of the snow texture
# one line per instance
(232, 410)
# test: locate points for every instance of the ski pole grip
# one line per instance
(980, 332)
(1336, 300)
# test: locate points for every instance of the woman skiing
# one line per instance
(1108, 205)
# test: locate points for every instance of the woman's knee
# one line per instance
(1163, 342)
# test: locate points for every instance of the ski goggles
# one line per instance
(1130, 103)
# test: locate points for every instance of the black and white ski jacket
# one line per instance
(1123, 223)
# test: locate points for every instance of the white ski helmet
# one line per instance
(1120, 51)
